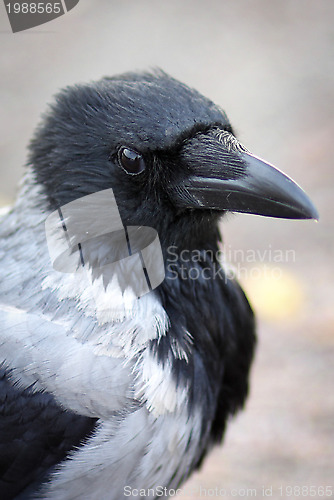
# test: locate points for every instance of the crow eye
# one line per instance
(132, 162)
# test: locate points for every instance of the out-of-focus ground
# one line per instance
(270, 65)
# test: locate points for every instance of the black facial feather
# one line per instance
(75, 150)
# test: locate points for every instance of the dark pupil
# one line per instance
(132, 161)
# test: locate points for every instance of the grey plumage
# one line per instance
(69, 356)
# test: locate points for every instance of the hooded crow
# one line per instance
(124, 354)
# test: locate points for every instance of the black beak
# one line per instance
(235, 180)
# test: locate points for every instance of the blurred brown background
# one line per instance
(270, 65)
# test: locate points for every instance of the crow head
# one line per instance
(168, 153)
